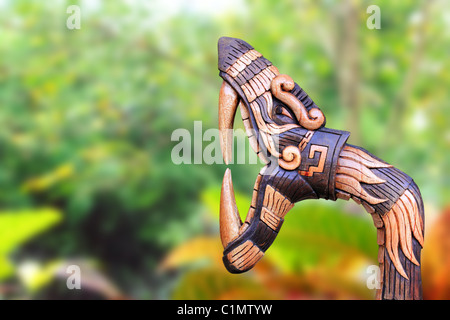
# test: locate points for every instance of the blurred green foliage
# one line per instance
(86, 118)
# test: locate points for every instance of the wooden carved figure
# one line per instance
(306, 160)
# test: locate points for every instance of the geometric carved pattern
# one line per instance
(272, 105)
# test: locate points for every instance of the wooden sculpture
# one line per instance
(306, 160)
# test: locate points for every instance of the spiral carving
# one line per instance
(280, 87)
(290, 158)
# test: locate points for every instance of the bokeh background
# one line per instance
(86, 118)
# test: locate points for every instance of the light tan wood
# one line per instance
(269, 74)
(269, 143)
(399, 225)
(245, 255)
(290, 158)
(249, 93)
(392, 242)
(353, 169)
(257, 86)
(276, 202)
(246, 59)
(352, 186)
(251, 132)
(239, 65)
(256, 53)
(404, 231)
(274, 70)
(265, 81)
(228, 102)
(269, 102)
(414, 216)
(236, 255)
(362, 157)
(251, 54)
(262, 125)
(358, 171)
(230, 221)
(232, 71)
(270, 219)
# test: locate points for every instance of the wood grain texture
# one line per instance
(245, 255)
(275, 202)
(306, 160)
(310, 119)
(230, 221)
(399, 219)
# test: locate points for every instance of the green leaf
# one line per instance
(6, 268)
(17, 227)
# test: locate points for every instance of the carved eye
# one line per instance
(281, 110)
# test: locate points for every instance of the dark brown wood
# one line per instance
(306, 160)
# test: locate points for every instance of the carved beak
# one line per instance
(228, 102)
(245, 242)
(230, 221)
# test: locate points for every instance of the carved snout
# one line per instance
(245, 243)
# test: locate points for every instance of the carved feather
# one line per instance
(401, 223)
